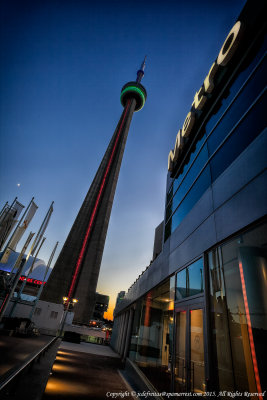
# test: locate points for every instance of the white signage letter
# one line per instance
(199, 99)
(230, 45)
(188, 124)
(209, 80)
(170, 161)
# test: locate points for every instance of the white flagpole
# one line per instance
(19, 264)
(3, 209)
(40, 233)
(31, 268)
(14, 201)
(42, 285)
(20, 221)
(36, 242)
(3, 238)
(25, 280)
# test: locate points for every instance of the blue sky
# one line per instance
(63, 64)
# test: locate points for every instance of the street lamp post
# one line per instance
(67, 303)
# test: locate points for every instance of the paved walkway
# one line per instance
(91, 348)
(85, 371)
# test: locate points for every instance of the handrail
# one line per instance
(15, 371)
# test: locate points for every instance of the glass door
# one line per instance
(180, 370)
(196, 359)
(189, 369)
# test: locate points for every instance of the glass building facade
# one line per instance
(238, 310)
(152, 334)
(236, 119)
(196, 320)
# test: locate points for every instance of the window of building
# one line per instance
(152, 335)
(54, 314)
(190, 281)
(238, 301)
(250, 91)
(37, 311)
(253, 75)
(195, 162)
(190, 177)
(237, 120)
(197, 190)
(248, 129)
(236, 85)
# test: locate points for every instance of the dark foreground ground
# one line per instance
(14, 350)
(66, 371)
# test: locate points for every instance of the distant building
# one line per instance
(101, 306)
(120, 297)
(35, 279)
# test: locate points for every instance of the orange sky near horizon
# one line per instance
(109, 313)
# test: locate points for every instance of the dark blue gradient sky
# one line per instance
(63, 64)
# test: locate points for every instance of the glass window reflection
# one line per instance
(238, 108)
(192, 197)
(233, 89)
(190, 280)
(251, 126)
(189, 162)
(191, 176)
(253, 123)
(152, 335)
(238, 298)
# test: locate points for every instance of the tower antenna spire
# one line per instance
(141, 71)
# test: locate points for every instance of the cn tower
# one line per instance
(76, 270)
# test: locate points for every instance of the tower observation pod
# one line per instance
(76, 270)
(135, 91)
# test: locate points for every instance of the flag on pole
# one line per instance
(21, 255)
(19, 231)
(42, 229)
(22, 228)
(8, 220)
(3, 209)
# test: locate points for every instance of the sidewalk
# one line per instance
(84, 371)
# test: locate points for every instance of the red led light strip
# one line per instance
(4, 302)
(252, 346)
(80, 258)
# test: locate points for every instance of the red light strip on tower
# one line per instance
(250, 334)
(4, 302)
(81, 255)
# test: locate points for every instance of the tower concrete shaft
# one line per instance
(76, 271)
